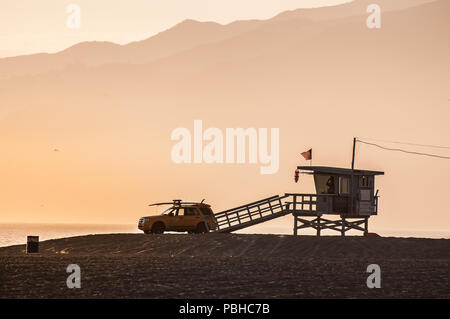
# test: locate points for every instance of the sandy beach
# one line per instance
(227, 266)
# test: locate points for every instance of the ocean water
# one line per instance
(16, 234)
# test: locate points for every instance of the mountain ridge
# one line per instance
(183, 36)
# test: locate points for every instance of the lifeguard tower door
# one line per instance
(365, 199)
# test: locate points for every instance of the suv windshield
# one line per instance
(169, 211)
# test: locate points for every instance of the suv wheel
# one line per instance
(158, 228)
(202, 228)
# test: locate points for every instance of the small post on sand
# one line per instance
(32, 244)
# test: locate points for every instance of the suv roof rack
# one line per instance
(178, 203)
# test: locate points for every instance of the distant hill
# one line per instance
(183, 36)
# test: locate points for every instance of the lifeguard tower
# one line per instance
(345, 192)
(348, 193)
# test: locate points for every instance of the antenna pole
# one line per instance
(351, 183)
(353, 156)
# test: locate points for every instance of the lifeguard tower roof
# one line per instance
(338, 170)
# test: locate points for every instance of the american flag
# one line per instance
(307, 155)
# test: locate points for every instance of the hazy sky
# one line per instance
(40, 26)
(321, 83)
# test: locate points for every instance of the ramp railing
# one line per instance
(251, 214)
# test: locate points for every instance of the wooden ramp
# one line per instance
(251, 214)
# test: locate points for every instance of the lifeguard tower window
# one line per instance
(324, 184)
(343, 185)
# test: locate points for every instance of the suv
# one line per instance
(180, 217)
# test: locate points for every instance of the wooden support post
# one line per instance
(318, 225)
(366, 226)
(295, 225)
(341, 225)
